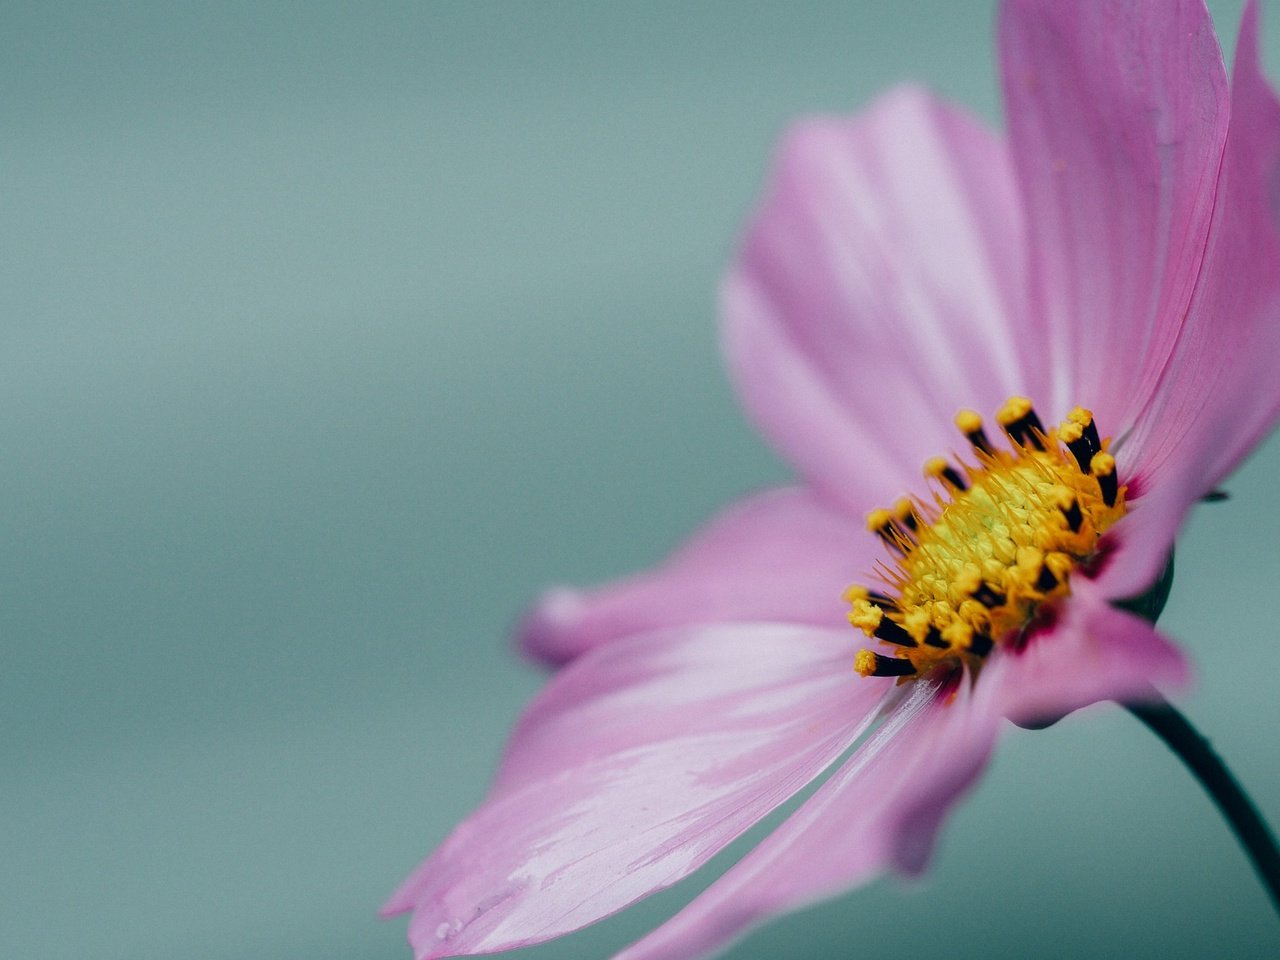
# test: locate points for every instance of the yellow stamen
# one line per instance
(855, 592)
(1014, 409)
(939, 469)
(877, 520)
(968, 421)
(865, 663)
(981, 559)
(1080, 416)
(865, 616)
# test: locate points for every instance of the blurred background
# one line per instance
(333, 333)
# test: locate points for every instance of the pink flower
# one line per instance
(1119, 251)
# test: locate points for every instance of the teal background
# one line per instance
(330, 335)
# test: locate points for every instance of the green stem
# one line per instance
(1194, 750)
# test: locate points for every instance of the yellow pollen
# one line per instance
(865, 616)
(935, 466)
(1080, 416)
(968, 421)
(958, 633)
(878, 519)
(999, 538)
(1014, 409)
(865, 663)
(855, 592)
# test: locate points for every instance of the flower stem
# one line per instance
(1195, 751)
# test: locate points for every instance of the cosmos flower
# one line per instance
(1105, 281)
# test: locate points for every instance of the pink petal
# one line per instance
(881, 809)
(875, 291)
(1220, 395)
(1117, 116)
(637, 763)
(1144, 538)
(1094, 652)
(777, 556)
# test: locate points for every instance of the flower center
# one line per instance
(976, 566)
